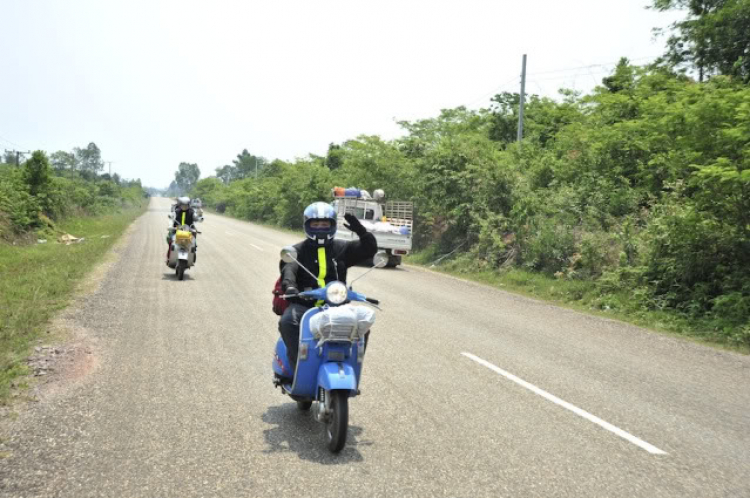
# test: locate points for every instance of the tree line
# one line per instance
(640, 188)
(47, 188)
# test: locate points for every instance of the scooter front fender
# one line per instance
(337, 376)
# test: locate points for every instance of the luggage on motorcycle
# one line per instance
(343, 323)
(182, 236)
(279, 303)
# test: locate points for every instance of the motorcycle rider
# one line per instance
(183, 215)
(325, 257)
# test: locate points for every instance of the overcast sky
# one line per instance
(157, 82)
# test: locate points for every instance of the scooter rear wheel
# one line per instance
(338, 422)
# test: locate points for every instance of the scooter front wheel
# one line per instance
(181, 266)
(338, 421)
(304, 406)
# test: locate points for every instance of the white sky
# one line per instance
(157, 82)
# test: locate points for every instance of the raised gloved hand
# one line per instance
(353, 224)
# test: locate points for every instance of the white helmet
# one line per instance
(319, 211)
(183, 201)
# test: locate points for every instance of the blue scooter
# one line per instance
(330, 357)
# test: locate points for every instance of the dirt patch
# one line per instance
(56, 368)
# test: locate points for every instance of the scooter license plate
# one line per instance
(336, 355)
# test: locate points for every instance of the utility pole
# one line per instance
(110, 168)
(523, 97)
(18, 155)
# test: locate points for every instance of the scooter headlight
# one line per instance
(337, 293)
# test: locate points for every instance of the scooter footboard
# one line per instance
(337, 376)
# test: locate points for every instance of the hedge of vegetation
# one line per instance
(34, 194)
(643, 185)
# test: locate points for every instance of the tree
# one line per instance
(62, 160)
(333, 158)
(714, 39)
(246, 165)
(173, 190)
(37, 174)
(89, 159)
(623, 78)
(226, 173)
(505, 117)
(187, 176)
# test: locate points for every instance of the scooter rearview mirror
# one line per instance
(379, 261)
(288, 254)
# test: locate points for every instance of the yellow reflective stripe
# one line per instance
(322, 269)
(322, 265)
(183, 217)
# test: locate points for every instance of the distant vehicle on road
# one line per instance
(392, 222)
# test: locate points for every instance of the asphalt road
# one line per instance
(467, 391)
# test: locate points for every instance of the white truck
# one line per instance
(391, 222)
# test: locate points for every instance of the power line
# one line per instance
(492, 92)
(603, 64)
(601, 68)
(8, 141)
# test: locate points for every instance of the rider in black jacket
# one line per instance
(326, 258)
(183, 215)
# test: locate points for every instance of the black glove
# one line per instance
(291, 291)
(353, 224)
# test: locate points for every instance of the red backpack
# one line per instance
(279, 303)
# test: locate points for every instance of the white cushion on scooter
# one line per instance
(342, 323)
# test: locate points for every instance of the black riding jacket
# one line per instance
(189, 219)
(340, 255)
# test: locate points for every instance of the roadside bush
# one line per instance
(30, 194)
(546, 246)
(695, 264)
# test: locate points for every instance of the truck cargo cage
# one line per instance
(361, 208)
(399, 213)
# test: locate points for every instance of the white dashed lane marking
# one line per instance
(583, 413)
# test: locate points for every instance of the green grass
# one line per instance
(585, 296)
(37, 281)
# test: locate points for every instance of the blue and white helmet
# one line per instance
(320, 211)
